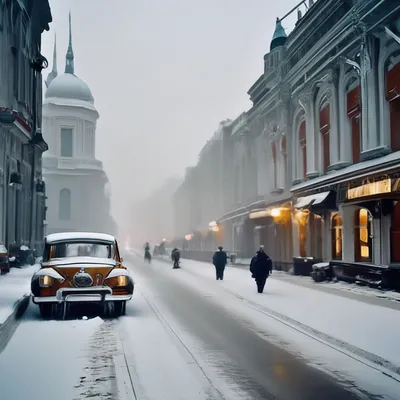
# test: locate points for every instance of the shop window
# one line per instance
(395, 234)
(315, 223)
(274, 165)
(336, 237)
(324, 129)
(393, 97)
(303, 240)
(363, 236)
(303, 147)
(354, 114)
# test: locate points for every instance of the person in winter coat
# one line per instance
(175, 257)
(260, 268)
(220, 259)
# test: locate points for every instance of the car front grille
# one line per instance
(82, 279)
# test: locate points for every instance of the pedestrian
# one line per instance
(175, 257)
(220, 259)
(260, 268)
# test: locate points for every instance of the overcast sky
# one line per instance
(163, 74)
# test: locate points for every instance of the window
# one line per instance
(66, 142)
(324, 129)
(363, 236)
(64, 211)
(393, 97)
(336, 237)
(354, 114)
(303, 148)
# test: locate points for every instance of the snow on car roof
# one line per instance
(59, 237)
(79, 260)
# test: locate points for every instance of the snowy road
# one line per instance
(186, 336)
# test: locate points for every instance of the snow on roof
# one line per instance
(79, 260)
(59, 237)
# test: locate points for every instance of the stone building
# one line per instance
(22, 191)
(311, 169)
(77, 186)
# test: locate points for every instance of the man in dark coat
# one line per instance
(220, 259)
(175, 257)
(260, 268)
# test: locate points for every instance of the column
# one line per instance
(376, 241)
(386, 222)
(347, 213)
(327, 239)
(334, 137)
(309, 106)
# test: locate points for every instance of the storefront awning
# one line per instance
(320, 200)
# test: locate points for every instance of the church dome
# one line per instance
(69, 86)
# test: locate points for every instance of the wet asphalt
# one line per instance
(258, 367)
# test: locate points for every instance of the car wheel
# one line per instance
(45, 310)
(119, 308)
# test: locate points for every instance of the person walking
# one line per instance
(260, 268)
(220, 259)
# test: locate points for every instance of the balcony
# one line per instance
(71, 163)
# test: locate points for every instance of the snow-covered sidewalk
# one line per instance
(13, 287)
(363, 330)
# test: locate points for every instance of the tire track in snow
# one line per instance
(365, 357)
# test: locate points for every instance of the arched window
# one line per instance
(353, 100)
(336, 237)
(303, 148)
(64, 210)
(363, 235)
(274, 165)
(393, 97)
(324, 129)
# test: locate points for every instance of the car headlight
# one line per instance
(122, 280)
(45, 281)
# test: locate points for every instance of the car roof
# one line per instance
(66, 236)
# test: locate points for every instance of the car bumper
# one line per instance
(89, 295)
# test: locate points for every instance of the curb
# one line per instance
(9, 326)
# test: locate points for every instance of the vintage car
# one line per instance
(81, 267)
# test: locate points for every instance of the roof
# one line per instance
(59, 237)
(69, 86)
(279, 37)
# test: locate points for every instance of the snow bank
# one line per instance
(46, 359)
(13, 286)
(371, 328)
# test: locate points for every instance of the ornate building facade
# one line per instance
(22, 191)
(77, 186)
(311, 170)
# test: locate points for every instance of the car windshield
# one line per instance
(81, 249)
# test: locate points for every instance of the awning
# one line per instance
(322, 200)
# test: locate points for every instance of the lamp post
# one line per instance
(37, 66)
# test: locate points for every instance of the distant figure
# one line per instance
(175, 257)
(260, 268)
(220, 259)
(147, 255)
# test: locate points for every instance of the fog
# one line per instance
(163, 75)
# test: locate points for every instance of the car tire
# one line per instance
(119, 308)
(46, 310)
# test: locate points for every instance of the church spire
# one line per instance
(69, 64)
(53, 74)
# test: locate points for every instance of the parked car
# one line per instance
(81, 267)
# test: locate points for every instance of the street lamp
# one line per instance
(37, 66)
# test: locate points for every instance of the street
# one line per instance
(185, 336)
